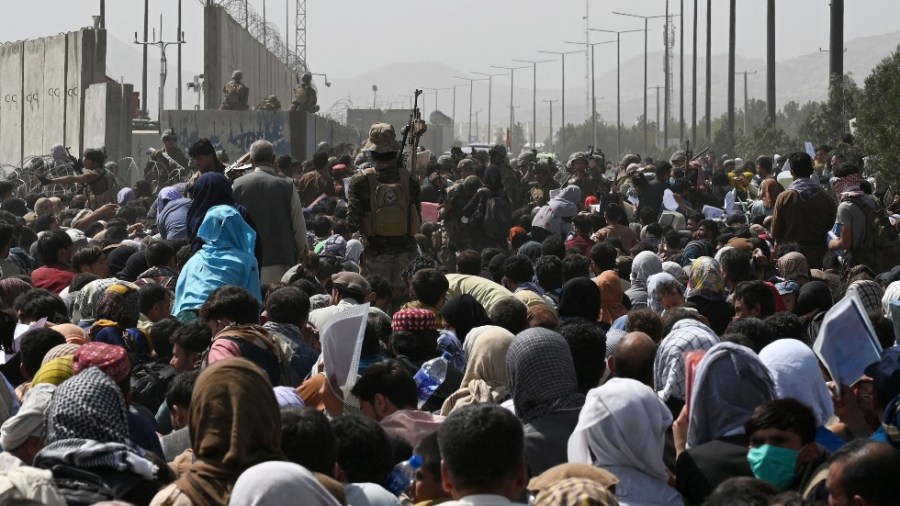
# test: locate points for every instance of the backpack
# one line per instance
(81, 487)
(497, 217)
(149, 383)
(880, 249)
(392, 213)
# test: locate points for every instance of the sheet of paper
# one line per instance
(341, 340)
(846, 343)
(346, 188)
(810, 149)
(430, 212)
(713, 213)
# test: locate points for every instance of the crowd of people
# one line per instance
(634, 333)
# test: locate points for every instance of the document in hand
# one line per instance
(846, 343)
(341, 340)
(713, 213)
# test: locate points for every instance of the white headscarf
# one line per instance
(29, 421)
(644, 265)
(622, 424)
(795, 370)
(653, 296)
(892, 292)
(279, 483)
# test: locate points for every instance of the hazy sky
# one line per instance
(347, 37)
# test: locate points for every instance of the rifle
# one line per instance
(417, 126)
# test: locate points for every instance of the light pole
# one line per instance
(454, 106)
(490, 98)
(471, 82)
(551, 123)
(657, 88)
(512, 78)
(646, 31)
(436, 103)
(746, 100)
(533, 97)
(562, 54)
(619, 84)
(593, 89)
(163, 63)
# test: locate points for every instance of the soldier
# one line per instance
(236, 93)
(453, 233)
(167, 165)
(445, 165)
(305, 97)
(97, 181)
(270, 103)
(465, 168)
(384, 205)
(511, 182)
(580, 176)
(540, 185)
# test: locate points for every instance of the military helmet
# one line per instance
(541, 167)
(677, 157)
(169, 134)
(445, 162)
(525, 158)
(497, 150)
(466, 164)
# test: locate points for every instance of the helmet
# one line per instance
(497, 150)
(169, 134)
(525, 158)
(445, 162)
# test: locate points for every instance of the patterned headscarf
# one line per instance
(54, 372)
(792, 266)
(654, 297)
(706, 279)
(869, 293)
(88, 406)
(677, 271)
(412, 320)
(541, 375)
(892, 293)
(668, 367)
(62, 350)
(120, 304)
(109, 358)
(579, 491)
(11, 288)
(89, 297)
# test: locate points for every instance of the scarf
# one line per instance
(795, 371)
(654, 297)
(280, 483)
(88, 406)
(485, 380)
(119, 304)
(541, 375)
(234, 424)
(580, 298)
(805, 187)
(793, 266)
(464, 313)
(611, 296)
(706, 279)
(88, 454)
(813, 296)
(847, 186)
(644, 265)
(289, 331)
(668, 367)
(166, 195)
(210, 190)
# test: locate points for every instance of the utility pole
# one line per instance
(534, 63)
(593, 94)
(694, 83)
(619, 85)
(490, 98)
(667, 73)
(163, 64)
(103, 14)
(436, 103)
(708, 71)
(746, 100)
(770, 60)
(552, 145)
(471, 83)
(512, 78)
(454, 106)
(562, 54)
(836, 42)
(657, 88)
(144, 112)
(681, 73)
(732, 29)
(180, 37)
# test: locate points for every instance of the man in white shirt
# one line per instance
(482, 456)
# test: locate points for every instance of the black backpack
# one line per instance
(80, 487)
(149, 383)
(497, 217)
(881, 244)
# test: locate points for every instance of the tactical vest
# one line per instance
(392, 214)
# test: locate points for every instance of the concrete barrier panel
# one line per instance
(11, 105)
(33, 88)
(53, 92)
(74, 90)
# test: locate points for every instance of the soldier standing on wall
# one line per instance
(166, 162)
(305, 96)
(236, 93)
(384, 204)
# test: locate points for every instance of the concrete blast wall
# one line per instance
(227, 47)
(42, 85)
(437, 138)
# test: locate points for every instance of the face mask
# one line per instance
(773, 464)
(671, 181)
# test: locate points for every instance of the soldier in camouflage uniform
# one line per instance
(465, 168)
(171, 162)
(512, 183)
(236, 93)
(386, 255)
(305, 96)
(445, 166)
(539, 185)
(453, 231)
(580, 176)
(270, 103)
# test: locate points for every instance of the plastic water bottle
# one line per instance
(404, 475)
(430, 377)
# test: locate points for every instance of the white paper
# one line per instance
(346, 188)
(810, 150)
(341, 340)
(21, 329)
(713, 213)
(847, 343)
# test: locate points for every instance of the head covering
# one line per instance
(731, 382)
(576, 491)
(541, 375)
(88, 406)
(413, 320)
(211, 189)
(654, 298)
(166, 195)
(869, 293)
(120, 303)
(125, 196)
(565, 203)
(62, 350)
(354, 250)
(795, 371)
(134, 266)
(542, 315)
(531, 250)
(706, 279)
(769, 191)
(787, 287)
(644, 265)
(335, 245)
(87, 299)
(11, 288)
(224, 228)
(279, 483)
(109, 358)
(568, 470)
(891, 293)
(29, 421)
(117, 259)
(485, 379)
(580, 298)
(54, 371)
(792, 266)
(464, 313)
(622, 424)
(611, 296)
(814, 296)
(677, 271)
(352, 282)
(668, 367)
(492, 178)
(382, 139)
(288, 397)
(234, 424)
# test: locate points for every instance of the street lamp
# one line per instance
(163, 62)
(646, 88)
(533, 97)
(593, 88)
(490, 98)
(512, 78)
(471, 82)
(327, 84)
(562, 55)
(618, 83)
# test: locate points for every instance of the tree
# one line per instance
(878, 127)
(767, 139)
(830, 121)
